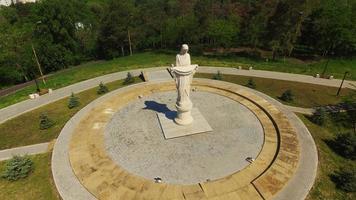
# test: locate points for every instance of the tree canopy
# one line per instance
(68, 32)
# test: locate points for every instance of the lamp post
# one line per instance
(326, 66)
(342, 82)
(36, 58)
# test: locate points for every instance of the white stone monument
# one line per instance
(188, 120)
(183, 73)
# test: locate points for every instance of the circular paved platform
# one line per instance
(134, 139)
(91, 169)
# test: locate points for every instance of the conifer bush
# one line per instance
(129, 79)
(345, 145)
(45, 122)
(73, 101)
(218, 76)
(251, 83)
(102, 89)
(17, 168)
(319, 116)
(287, 96)
(345, 179)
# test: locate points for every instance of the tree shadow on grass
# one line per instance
(160, 108)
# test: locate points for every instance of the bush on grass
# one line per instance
(129, 79)
(17, 168)
(45, 122)
(319, 116)
(218, 76)
(287, 96)
(251, 83)
(345, 179)
(102, 89)
(345, 145)
(73, 101)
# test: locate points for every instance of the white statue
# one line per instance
(183, 58)
(183, 72)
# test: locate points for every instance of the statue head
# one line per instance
(184, 49)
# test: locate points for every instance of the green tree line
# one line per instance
(64, 33)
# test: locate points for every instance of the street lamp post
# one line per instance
(326, 66)
(342, 82)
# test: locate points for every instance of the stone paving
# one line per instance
(87, 146)
(25, 150)
(134, 139)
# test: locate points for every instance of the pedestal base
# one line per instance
(172, 130)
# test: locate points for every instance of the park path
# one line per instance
(31, 104)
(25, 150)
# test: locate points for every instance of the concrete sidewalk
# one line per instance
(280, 76)
(25, 150)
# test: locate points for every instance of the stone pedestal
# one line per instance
(183, 77)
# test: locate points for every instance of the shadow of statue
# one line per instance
(160, 108)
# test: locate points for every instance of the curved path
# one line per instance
(279, 173)
(31, 104)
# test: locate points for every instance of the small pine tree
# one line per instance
(129, 79)
(18, 167)
(102, 89)
(218, 76)
(45, 122)
(345, 179)
(319, 116)
(345, 145)
(73, 101)
(287, 96)
(251, 83)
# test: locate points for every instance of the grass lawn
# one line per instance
(24, 129)
(38, 185)
(305, 95)
(329, 161)
(89, 70)
(336, 67)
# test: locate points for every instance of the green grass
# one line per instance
(24, 129)
(329, 162)
(305, 95)
(88, 71)
(337, 67)
(38, 185)
(72, 75)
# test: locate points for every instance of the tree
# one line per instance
(331, 27)
(319, 116)
(251, 84)
(129, 79)
(287, 96)
(45, 122)
(17, 167)
(57, 32)
(345, 179)
(223, 32)
(113, 34)
(102, 89)
(218, 76)
(73, 101)
(345, 145)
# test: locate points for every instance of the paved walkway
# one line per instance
(280, 76)
(305, 111)
(31, 104)
(25, 150)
